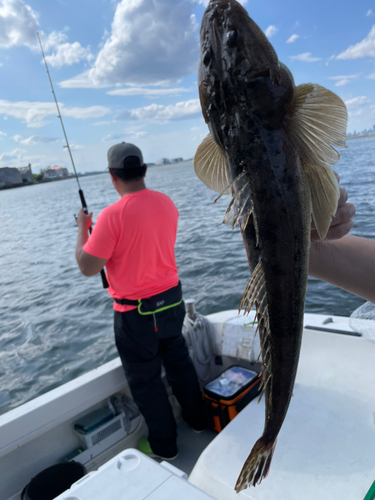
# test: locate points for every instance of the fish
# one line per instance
(271, 145)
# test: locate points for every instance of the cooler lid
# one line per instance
(231, 382)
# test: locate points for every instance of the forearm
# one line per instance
(82, 238)
(348, 263)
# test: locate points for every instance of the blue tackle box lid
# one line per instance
(231, 382)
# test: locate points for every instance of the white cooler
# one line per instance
(131, 475)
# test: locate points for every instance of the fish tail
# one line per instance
(257, 465)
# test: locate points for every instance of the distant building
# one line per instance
(176, 160)
(55, 172)
(163, 161)
(10, 176)
(26, 174)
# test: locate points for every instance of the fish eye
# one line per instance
(207, 57)
(232, 37)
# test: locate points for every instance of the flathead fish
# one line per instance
(270, 146)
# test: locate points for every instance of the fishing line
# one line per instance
(80, 192)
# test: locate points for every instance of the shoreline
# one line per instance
(359, 136)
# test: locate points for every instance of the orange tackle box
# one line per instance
(228, 394)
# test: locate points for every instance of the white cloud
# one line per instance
(292, 39)
(159, 113)
(306, 57)
(75, 147)
(366, 48)
(355, 101)
(2, 134)
(69, 53)
(206, 2)
(34, 113)
(270, 31)
(84, 113)
(132, 91)
(371, 77)
(16, 154)
(124, 136)
(151, 42)
(100, 124)
(343, 79)
(114, 137)
(369, 13)
(18, 24)
(34, 139)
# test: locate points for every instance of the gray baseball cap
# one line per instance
(117, 154)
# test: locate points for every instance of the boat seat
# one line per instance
(325, 448)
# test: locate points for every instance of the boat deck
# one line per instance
(190, 446)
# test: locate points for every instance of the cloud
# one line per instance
(16, 154)
(369, 13)
(124, 136)
(206, 2)
(34, 113)
(371, 77)
(306, 57)
(366, 48)
(69, 53)
(158, 113)
(2, 134)
(75, 147)
(114, 137)
(343, 80)
(34, 139)
(100, 124)
(355, 101)
(18, 24)
(151, 42)
(270, 31)
(132, 91)
(292, 39)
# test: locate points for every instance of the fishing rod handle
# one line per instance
(83, 201)
(104, 279)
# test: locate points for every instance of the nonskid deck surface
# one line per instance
(190, 446)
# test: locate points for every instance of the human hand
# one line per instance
(342, 222)
(84, 221)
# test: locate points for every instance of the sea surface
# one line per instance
(56, 324)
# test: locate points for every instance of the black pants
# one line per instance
(142, 352)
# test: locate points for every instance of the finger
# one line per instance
(334, 232)
(343, 214)
(345, 211)
(337, 232)
(343, 197)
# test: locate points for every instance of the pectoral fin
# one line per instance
(315, 122)
(210, 165)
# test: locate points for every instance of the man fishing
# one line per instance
(134, 239)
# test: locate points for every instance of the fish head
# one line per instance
(239, 75)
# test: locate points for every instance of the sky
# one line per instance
(127, 71)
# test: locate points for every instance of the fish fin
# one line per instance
(255, 290)
(257, 465)
(256, 294)
(325, 194)
(210, 165)
(316, 121)
(240, 208)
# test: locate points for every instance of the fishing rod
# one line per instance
(80, 192)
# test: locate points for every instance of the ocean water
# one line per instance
(56, 324)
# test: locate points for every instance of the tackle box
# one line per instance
(229, 393)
